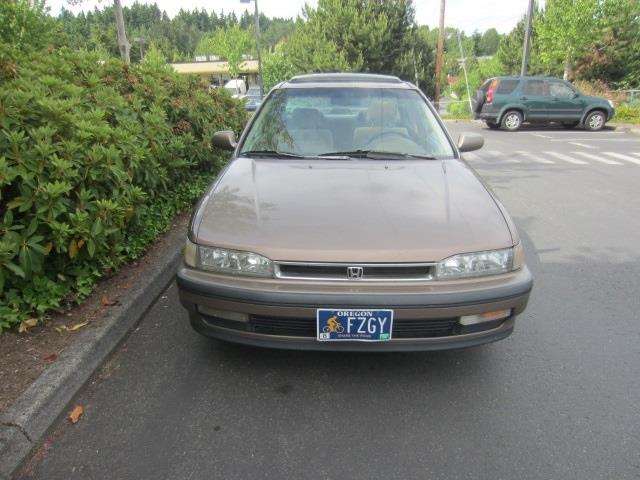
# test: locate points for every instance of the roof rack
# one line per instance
(344, 77)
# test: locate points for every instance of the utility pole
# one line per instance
(123, 43)
(258, 48)
(439, 53)
(527, 41)
(464, 69)
(255, 2)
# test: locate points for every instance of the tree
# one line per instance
(123, 43)
(231, 44)
(25, 23)
(566, 32)
(360, 35)
(489, 42)
(615, 55)
(509, 53)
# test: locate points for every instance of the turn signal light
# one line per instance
(485, 317)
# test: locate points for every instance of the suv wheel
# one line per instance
(595, 121)
(512, 120)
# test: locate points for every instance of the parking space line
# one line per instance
(582, 139)
(540, 135)
(495, 154)
(582, 145)
(623, 157)
(535, 158)
(597, 158)
(566, 158)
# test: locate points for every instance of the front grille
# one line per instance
(296, 327)
(369, 272)
(306, 327)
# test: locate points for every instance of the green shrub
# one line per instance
(459, 109)
(96, 158)
(628, 112)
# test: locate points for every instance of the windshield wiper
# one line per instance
(270, 153)
(279, 154)
(378, 154)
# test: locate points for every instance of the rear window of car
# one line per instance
(507, 86)
(485, 86)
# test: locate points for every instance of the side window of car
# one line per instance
(535, 87)
(559, 89)
(507, 86)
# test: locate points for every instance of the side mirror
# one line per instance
(468, 142)
(225, 139)
(576, 95)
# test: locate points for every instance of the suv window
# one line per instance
(507, 86)
(560, 89)
(535, 87)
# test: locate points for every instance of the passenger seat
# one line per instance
(308, 132)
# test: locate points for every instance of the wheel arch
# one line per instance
(520, 108)
(592, 109)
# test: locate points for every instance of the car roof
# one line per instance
(345, 80)
(527, 77)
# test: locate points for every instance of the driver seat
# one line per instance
(381, 119)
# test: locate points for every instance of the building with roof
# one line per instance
(216, 72)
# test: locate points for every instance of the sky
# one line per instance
(467, 15)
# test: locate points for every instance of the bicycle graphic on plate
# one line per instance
(333, 326)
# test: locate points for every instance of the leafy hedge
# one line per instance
(96, 158)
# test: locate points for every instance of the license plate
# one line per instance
(336, 325)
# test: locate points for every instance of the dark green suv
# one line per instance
(508, 102)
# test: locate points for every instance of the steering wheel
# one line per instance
(391, 132)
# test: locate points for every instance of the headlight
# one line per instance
(479, 264)
(611, 103)
(233, 261)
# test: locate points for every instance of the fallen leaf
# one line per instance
(78, 326)
(106, 301)
(76, 413)
(73, 248)
(61, 329)
(51, 358)
(27, 324)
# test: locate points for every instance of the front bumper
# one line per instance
(429, 308)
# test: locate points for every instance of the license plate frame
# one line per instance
(354, 325)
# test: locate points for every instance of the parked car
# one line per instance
(237, 87)
(346, 219)
(253, 99)
(508, 102)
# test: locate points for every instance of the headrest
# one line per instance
(306, 118)
(382, 113)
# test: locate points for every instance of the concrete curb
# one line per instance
(25, 423)
(627, 127)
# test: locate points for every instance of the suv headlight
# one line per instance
(611, 103)
(477, 264)
(223, 260)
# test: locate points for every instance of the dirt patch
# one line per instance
(24, 356)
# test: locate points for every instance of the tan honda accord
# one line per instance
(346, 219)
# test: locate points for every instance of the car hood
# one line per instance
(351, 211)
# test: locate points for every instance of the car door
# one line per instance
(535, 99)
(565, 104)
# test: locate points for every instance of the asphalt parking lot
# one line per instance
(556, 400)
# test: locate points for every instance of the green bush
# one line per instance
(459, 109)
(628, 112)
(96, 158)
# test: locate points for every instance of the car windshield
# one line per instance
(322, 121)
